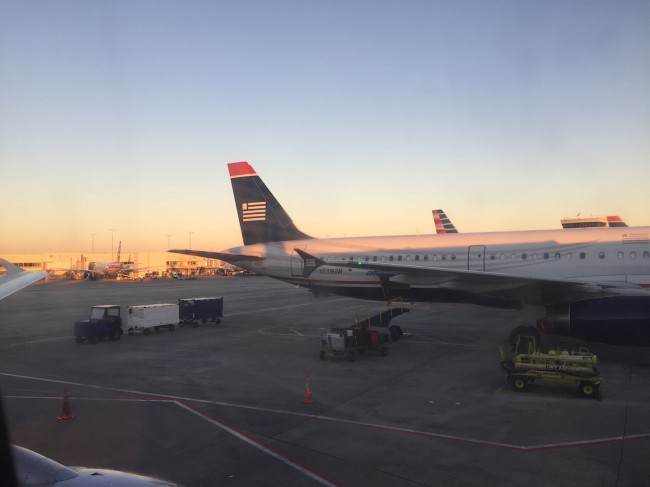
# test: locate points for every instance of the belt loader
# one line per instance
(373, 333)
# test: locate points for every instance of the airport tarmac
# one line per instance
(224, 404)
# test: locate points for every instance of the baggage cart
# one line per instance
(192, 311)
(143, 319)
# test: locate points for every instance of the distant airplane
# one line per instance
(105, 269)
(594, 221)
(97, 270)
(23, 467)
(444, 225)
(442, 222)
(593, 284)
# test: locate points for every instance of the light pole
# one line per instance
(92, 244)
(190, 234)
(168, 235)
(112, 230)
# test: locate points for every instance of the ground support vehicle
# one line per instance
(560, 366)
(104, 322)
(142, 319)
(372, 333)
(191, 311)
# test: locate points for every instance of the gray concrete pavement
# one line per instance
(223, 404)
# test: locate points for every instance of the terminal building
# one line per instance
(141, 264)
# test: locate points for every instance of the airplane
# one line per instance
(595, 221)
(114, 269)
(16, 278)
(22, 467)
(97, 270)
(591, 285)
(442, 222)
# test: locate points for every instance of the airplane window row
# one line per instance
(503, 256)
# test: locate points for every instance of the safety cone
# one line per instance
(66, 413)
(308, 399)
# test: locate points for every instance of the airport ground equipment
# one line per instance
(372, 333)
(191, 311)
(104, 322)
(142, 319)
(529, 364)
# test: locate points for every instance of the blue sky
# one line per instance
(361, 116)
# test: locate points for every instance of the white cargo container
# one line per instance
(141, 319)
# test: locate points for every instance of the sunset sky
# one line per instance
(360, 116)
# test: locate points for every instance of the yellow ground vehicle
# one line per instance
(561, 366)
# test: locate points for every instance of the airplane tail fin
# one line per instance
(615, 221)
(443, 224)
(261, 217)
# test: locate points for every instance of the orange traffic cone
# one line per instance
(65, 412)
(308, 399)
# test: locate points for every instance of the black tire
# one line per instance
(587, 389)
(157, 328)
(321, 355)
(172, 327)
(79, 340)
(147, 331)
(518, 330)
(507, 364)
(196, 324)
(217, 321)
(352, 356)
(383, 351)
(520, 383)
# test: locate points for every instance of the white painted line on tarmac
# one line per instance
(264, 310)
(460, 439)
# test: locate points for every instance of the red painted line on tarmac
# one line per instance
(248, 438)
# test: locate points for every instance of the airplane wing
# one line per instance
(230, 258)
(16, 278)
(529, 290)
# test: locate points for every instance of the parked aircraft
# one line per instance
(22, 467)
(593, 284)
(442, 222)
(97, 270)
(594, 221)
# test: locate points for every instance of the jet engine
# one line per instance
(619, 320)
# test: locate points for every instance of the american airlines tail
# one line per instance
(442, 222)
(261, 217)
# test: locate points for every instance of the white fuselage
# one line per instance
(586, 255)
